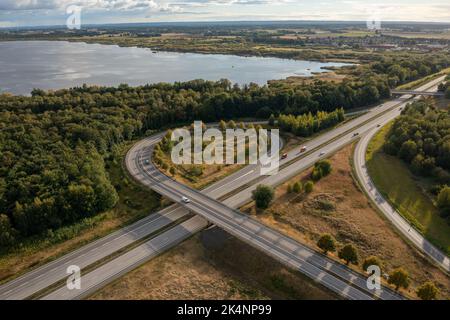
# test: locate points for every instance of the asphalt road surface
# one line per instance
(415, 237)
(41, 278)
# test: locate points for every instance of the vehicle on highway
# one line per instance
(185, 200)
(321, 154)
(303, 149)
(378, 125)
(355, 134)
(284, 156)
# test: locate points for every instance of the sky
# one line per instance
(54, 12)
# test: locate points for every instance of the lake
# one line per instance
(25, 65)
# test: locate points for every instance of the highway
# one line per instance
(226, 185)
(39, 279)
(106, 273)
(332, 275)
(407, 230)
(45, 276)
(250, 230)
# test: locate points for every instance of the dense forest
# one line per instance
(53, 144)
(421, 137)
(307, 124)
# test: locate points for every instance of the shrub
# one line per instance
(372, 261)
(309, 186)
(297, 188)
(263, 196)
(349, 254)
(327, 243)
(399, 278)
(427, 291)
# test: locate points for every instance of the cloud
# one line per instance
(93, 4)
(28, 4)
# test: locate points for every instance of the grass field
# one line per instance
(406, 192)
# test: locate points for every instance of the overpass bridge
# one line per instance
(416, 93)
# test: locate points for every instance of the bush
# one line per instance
(309, 186)
(349, 254)
(321, 169)
(289, 188)
(263, 196)
(196, 171)
(399, 278)
(316, 174)
(327, 243)
(297, 188)
(325, 205)
(372, 261)
(232, 124)
(427, 291)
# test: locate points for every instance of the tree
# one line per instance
(271, 120)
(289, 188)
(316, 174)
(349, 254)
(427, 291)
(327, 243)
(408, 150)
(172, 171)
(7, 233)
(263, 196)
(231, 124)
(372, 261)
(321, 169)
(443, 201)
(447, 93)
(297, 188)
(399, 278)
(309, 186)
(222, 125)
(324, 166)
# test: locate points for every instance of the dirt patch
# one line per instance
(338, 207)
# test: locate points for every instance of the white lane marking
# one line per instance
(234, 180)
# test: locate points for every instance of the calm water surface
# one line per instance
(25, 65)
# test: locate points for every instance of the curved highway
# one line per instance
(243, 181)
(407, 230)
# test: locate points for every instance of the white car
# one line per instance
(185, 200)
(321, 154)
(147, 161)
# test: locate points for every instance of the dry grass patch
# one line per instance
(212, 265)
(338, 207)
